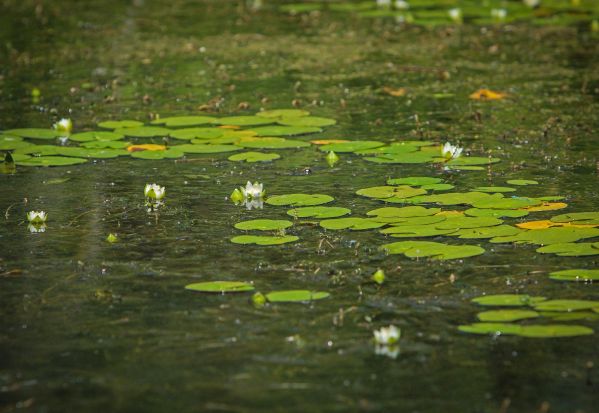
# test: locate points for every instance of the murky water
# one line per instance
(92, 326)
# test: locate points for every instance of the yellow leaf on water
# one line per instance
(328, 141)
(452, 213)
(146, 147)
(547, 206)
(229, 127)
(486, 94)
(536, 224)
(395, 92)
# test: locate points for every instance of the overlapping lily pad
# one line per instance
(245, 121)
(280, 130)
(553, 235)
(506, 203)
(382, 192)
(296, 296)
(34, 133)
(283, 113)
(407, 231)
(184, 121)
(50, 161)
(143, 131)
(508, 300)
(253, 157)
(351, 146)
(506, 315)
(487, 232)
(96, 136)
(8, 142)
(205, 148)
(460, 222)
(271, 143)
(299, 200)
(493, 189)
(405, 212)
(170, 153)
(220, 287)
(306, 121)
(355, 224)
(119, 124)
(571, 249)
(522, 182)
(566, 305)
(318, 212)
(264, 225)
(532, 331)
(196, 133)
(434, 250)
(264, 239)
(497, 213)
(579, 274)
(579, 218)
(414, 180)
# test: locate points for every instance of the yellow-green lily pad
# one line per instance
(566, 305)
(306, 121)
(532, 331)
(283, 113)
(295, 296)
(319, 212)
(184, 121)
(578, 274)
(272, 143)
(263, 239)
(264, 225)
(279, 130)
(119, 124)
(571, 249)
(34, 133)
(220, 287)
(96, 136)
(355, 224)
(507, 300)
(522, 182)
(143, 131)
(579, 218)
(506, 315)
(382, 192)
(252, 157)
(434, 250)
(352, 146)
(298, 200)
(196, 133)
(50, 161)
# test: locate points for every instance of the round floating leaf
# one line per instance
(118, 124)
(39, 150)
(34, 133)
(435, 250)
(170, 153)
(576, 315)
(468, 222)
(494, 189)
(91, 153)
(584, 275)
(220, 287)
(522, 182)
(196, 133)
(299, 199)
(8, 142)
(144, 131)
(355, 224)
(190, 148)
(554, 235)
(318, 212)
(382, 192)
(50, 161)
(507, 300)
(264, 225)
(399, 221)
(506, 203)
(472, 161)
(96, 136)
(271, 143)
(351, 146)
(566, 305)
(392, 149)
(407, 158)
(405, 212)
(438, 187)
(283, 113)
(487, 232)
(506, 315)
(254, 157)
(538, 331)
(295, 296)
(414, 181)
(105, 145)
(407, 231)
(263, 239)
(246, 121)
(285, 130)
(571, 249)
(307, 121)
(456, 198)
(581, 218)
(496, 213)
(184, 121)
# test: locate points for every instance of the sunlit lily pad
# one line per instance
(118, 124)
(468, 222)
(414, 181)
(96, 136)
(263, 239)
(264, 225)
(402, 158)
(571, 249)
(34, 133)
(144, 131)
(434, 250)
(190, 148)
(522, 182)
(184, 121)
(583, 218)
(583, 275)
(487, 232)
(50, 161)
(8, 142)
(298, 200)
(170, 153)
(407, 231)
(38, 150)
(271, 143)
(532, 331)
(295, 296)
(355, 224)
(285, 130)
(496, 213)
(306, 121)
(554, 235)
(438, 187)
(505, 203)
(493, 189)
(566, 305)
(318, 212)
(472, 161)
(411, 221)
(351, 146)
(196, 133)
(457, 198)
(382, 192)
(575, 315)
(283, 113)
(220, 287)
(105, 144)
(388, 150)
(506, 315)
(246, 121)
(254, 157)
(405, 212)
(507, 300)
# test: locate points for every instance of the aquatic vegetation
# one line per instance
(378, 277)
(154, 192)
(264, 239)
(387, 335)
(64, 125)
(252, 190)
(295, 296)
(221, 287)
(332, 158)
(37, 217)
(112, 238)
(579, 275)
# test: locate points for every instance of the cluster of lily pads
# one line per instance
(525, 308)
(438, 13)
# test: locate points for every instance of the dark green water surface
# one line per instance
(90, 326)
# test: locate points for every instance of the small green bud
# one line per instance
(237, 196)
(595, 26)
(332, 158)
(112, 238)
(379, 276)
(259, 299)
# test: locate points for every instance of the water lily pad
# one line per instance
(355, 224)
(184, 121)
(105, 145)
(493, 189)
(472, 161)
(403, 221)
(34, 133)
(460, 222)
(580, 218)
(190, 148)
(246, 121)
(571, 249)
(438, 187)
(583, 275)
(170, 153)
(285, 130)
(532, 331)
(575, 315)
(434, 250)
(196, 133)
(271, 143)
(496, 213)
(405, 212)
(295, 296)
(50, 161)
(8, 142)
(522, 182)
(487, 232)
(96, 136)
(38, 150)
(254, 157)
(546, 236)
(456, 198)
(414, 181)
(220, 287)
(351, 146)
(402, 158)
(392, 149)
(566, 305)
(283, 113)
(144, 131)
(506, 203)
(263, 239)
(407, 231)
(507, 300)
(382, 192)
(318, 212)
(298, 200)
(119, 124)
(506, 315)
(264, 225)
(306, 121)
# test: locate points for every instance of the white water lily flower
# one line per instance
(388, 351)
(455, 14)
(37, 217)
(35, 228)
(387, 335)
(64, 125)
(383, 3)
(499, 14)
(402, 5)
(252, 191)
(450, 151)
(254, 204)
(154, 191)
(532, 3)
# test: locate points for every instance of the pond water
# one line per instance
(90, 325)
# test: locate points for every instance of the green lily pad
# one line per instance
(566, 305)
(272, 143)
(405, 212)
(575, 315)
(252, 157)
(532, 331)
(50, 161)
(507, 300)
(493, 189)
(414, 181)
(298, 200)
(190, 148)
(144, 131)
(487, 232)
(295, 296)
(170, 153)
(355, 224)
(438, 187)
(220, 287)
(38, 150)
(196, 133)
(8, 142)
(413, 221)
(263, 239)
(96, 136)
(352, 146)
(264, 225)
(522, 182)
(120, 124)
(580, 218)
(571, 249)
(506, 203)
(434, 250)
(468, 222)
(553, 235)
(184, 121)
(283, 113)
(105, 145)
(583, 275)
(402, 158)
(456, 198)
(382, 192)
(496, 213)
(472, 161)
(392, 149)
(34, 133)
(506, 315)
(306, 121)
(285, 130)
(407, 231)
(245, 121)
(318, 212)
